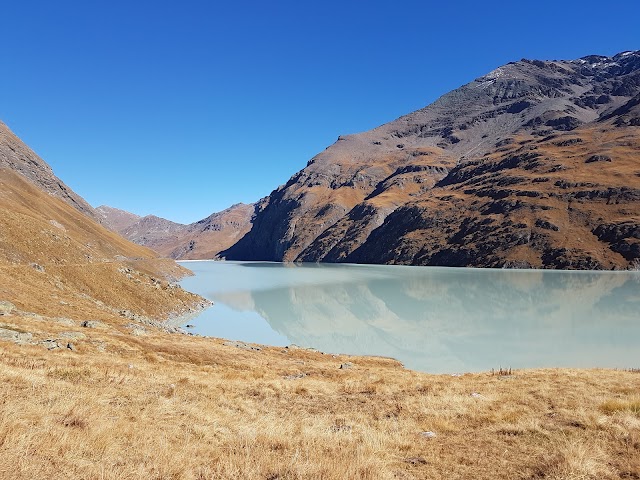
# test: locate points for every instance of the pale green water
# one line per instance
(431, 319)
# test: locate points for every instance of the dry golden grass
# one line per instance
(174, 406)
(56, 261)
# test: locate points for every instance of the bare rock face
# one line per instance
(16, 156)
(533, 164)
(200, 240)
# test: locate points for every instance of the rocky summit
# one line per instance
(536, 164)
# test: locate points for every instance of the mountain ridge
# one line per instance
(330, 208)
(16, 156)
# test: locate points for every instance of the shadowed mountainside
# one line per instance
(533, 165)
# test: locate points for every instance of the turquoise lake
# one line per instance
(432, 319)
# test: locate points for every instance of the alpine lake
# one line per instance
(432, 319)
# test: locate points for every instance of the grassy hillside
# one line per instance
(157, 405)
(56, 261)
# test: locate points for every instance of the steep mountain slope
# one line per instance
(200, 240)
(16, 156)
(56, 260)
(510, 169)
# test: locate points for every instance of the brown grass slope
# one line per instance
(56, 261)
(171, 406)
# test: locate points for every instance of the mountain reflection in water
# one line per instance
(431, 319)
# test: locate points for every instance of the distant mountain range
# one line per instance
(202, 239)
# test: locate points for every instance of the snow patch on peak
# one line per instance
(495, 74)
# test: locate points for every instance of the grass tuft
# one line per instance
(502, 372)
(611, 407)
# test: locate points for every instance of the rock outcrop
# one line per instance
(531, 165)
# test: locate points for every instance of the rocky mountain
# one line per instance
(114, 218)
(200, 240)
(533, 165)
(16, 156)
(57, 260)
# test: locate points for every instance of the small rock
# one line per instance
(242, 345)
(57, 225)
(188, 325)
(71, 347)
(51, 344)
(476, 395)
(428, 434)
(64, 321)
(15, 336)
(293, 346)
(6, 307)
(73, 335)
(416, 461)
(136, 329)
(7, 334)
(598, 158)
(295, 376)
(36, 267)
(344, 366)
(91, 324)
(540, 223)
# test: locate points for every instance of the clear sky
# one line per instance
(181, 109)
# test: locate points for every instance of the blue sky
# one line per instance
(181, 109)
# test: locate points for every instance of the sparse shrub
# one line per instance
(73, 375)
(502, 372)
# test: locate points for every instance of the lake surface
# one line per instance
(433, 319)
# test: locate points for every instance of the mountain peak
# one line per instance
(532, 148)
